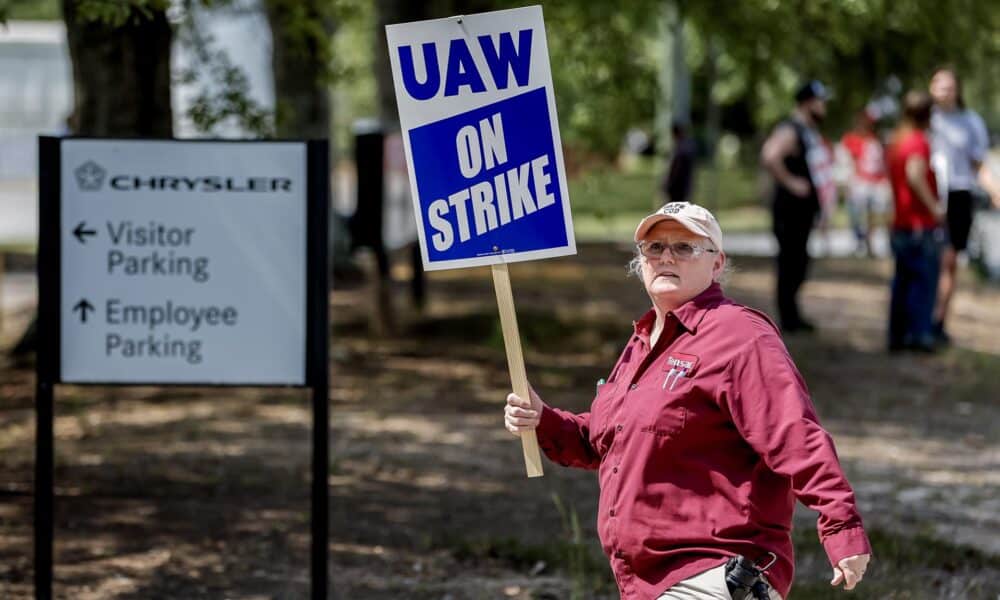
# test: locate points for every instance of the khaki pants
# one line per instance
(710, 585)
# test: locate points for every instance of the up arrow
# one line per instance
(80, 232)
(83, 306)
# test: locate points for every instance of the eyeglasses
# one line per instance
(679, 250)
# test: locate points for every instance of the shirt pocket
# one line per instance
(677, 371)
(666, 413)
(665, 422)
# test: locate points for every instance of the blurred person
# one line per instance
(679, 181)
(794, 154)
(916, 229)
(703, 435)
(959, 137)
(867, 193)
(823, 164)
(636, 143)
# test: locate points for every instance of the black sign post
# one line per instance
(49, 363)
(317, 357)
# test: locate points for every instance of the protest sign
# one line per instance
(478, 118)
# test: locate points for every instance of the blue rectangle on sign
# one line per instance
(487, 181)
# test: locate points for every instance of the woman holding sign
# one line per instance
(703, 437)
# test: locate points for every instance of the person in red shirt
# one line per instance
(703, 435)
(866, 189)
(917, 236)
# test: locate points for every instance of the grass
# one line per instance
(905, 566)
(18, 248)
(571, 553)
(607, 204)
(604, 192)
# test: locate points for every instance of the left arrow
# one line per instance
(83, 306)
(80, 232)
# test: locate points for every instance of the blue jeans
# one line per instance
(914, 286)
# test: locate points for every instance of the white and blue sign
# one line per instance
(481, 135)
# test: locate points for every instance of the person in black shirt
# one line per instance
(680, 176)
(787, 154)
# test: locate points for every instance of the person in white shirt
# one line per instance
(960, 142)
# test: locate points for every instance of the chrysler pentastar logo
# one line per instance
(90, 176)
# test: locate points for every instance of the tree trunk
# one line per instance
(300, 62)
(713, 123)
(675, 79)
(121, 86)
(389, 12)
(121, 75)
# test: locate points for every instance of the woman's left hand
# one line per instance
(850, 570)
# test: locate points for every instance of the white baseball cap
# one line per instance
(694, 218)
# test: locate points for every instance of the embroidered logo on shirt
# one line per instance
(680, 366)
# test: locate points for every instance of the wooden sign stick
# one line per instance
(515, 362)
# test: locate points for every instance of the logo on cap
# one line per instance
(673, 208)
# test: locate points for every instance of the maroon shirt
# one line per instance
(702, 444)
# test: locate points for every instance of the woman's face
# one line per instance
(670, 281)
(944, 89)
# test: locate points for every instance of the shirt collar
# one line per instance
(689, 314)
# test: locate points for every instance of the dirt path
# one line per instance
(194, 493)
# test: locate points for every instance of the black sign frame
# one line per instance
(48, 363)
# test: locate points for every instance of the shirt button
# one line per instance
(615, 470)
(612, 512)
(619, 428)
(633, 386)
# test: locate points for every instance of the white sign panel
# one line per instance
(183, 262)
(481, 135)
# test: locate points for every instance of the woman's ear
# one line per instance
(719, 267)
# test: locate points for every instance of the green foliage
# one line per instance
(36, 10)
(353, 68)
(111, 12)
(226, 98)
(606, 58)
(306, 27)
(352, 46)
(602, 86)
(768, 47)
(605, 81)
(116, 13)
(223, 88)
